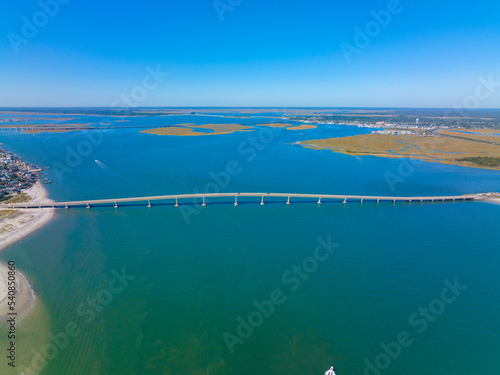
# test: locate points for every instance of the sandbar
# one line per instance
(24, 297)
(302, 127)
(276, 125)
(223, 128)
(189, 129)
(172, 130)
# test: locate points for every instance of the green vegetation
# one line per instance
(485, 161)
(18, 198)
(7, 213)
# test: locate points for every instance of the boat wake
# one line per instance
(102, 165)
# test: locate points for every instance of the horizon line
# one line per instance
(250, 107)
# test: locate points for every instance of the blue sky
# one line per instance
(262, 53)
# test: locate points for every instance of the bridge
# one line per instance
(262, 198)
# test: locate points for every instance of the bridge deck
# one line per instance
(237, 195)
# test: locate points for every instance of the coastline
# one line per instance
(26, 221)
(21, 224)
(24, 298)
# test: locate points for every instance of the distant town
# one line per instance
(16, 174)
(423, 122)
(14, 119)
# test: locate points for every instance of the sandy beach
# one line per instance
(25, 221)
(24, 297)
(13, 227)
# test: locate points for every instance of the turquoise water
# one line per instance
(192, 279)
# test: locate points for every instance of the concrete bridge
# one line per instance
(262, 198)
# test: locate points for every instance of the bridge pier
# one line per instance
(66, 206)
(176, 203)
(88, 206)
(361, 201)
(345, 201)
(319, 201)
(203, 204)
(378, 201)
(288, 201)
(149, 204)
(393, 201)
(235, 201)
(116, 205)
(262, 201)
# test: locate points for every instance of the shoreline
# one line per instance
(21, 224)
(26, 221)
(25, 297)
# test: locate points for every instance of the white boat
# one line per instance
(331, 371)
